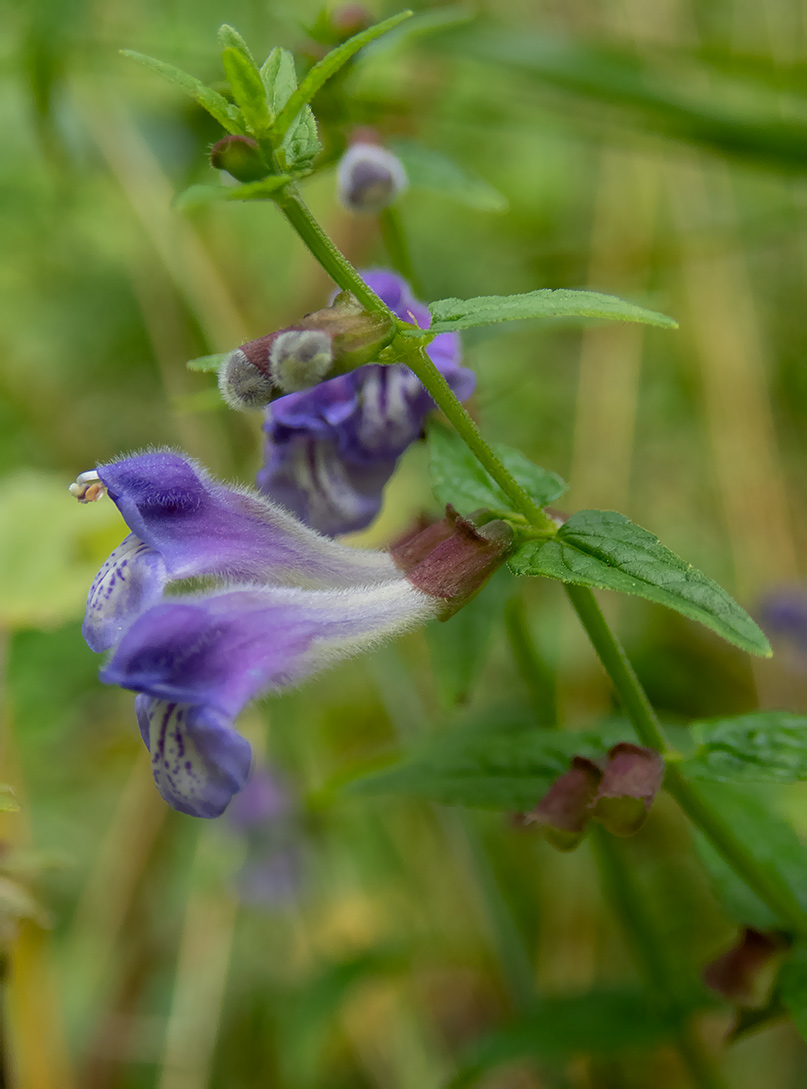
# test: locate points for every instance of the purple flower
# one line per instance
(331, 449)
(186, 525)
(196, 660)
(783, 614)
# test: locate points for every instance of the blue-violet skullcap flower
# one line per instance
(196, 661)
(783, 615)
(185, 525)
(265, 815)
(331, 449)
(369, 178)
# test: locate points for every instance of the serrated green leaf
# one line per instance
(227, 115)
(279, 78)
(196, 196)
(606, 550)
(763, 746)
(209, 363)
(429, 169)
(329, 66)
(248, 90)
(452, 314)
(459, 479)
(793, 987)
(497, 760)
(749, 812)
(229, 38)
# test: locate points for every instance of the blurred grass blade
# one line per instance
(329, 66)
(615, 77)
(429, 169)
(217, 106)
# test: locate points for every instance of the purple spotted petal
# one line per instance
(130, 581)
(331, 449)
(184, 524)
(199, 761)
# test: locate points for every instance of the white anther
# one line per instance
(87, 487)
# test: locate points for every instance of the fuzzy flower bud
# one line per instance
(369, 178)
(239, 156)
(299, 358)
(243, 384)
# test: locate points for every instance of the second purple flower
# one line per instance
(331, 449)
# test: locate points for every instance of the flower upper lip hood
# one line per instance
(331, 449)
(185, 524)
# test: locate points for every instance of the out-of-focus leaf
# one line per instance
(605, 1022)
(606, 550)
(793, 987)
(16, 902)
(497, 760)
(460, 647)
(329, 66)
(196, 196)
(767, 836)
(423, 25)
(50, 549)
(459, 479)
(451, 314)
(227, 115)
(248, 89)
(308, 1022)
(429, 169)
(764, 746)
(8, 803)
(609, 76)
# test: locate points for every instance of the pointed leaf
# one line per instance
(329, 66)
(497, 760)
(229, 38)
(216, 105)
(452, 314)
(248, 89)
(459, 479)
(606, 550)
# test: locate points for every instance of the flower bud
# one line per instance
(369, 178)
(454, 559)
(357, 336)
(745, 974)
(565, 809)
(630, 781)
(349, 19)
(239, 156)
(299, 358)
(243, 384)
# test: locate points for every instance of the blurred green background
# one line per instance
(657, 152)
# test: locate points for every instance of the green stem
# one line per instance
(635, 917)
(765, 882)
(326, 253)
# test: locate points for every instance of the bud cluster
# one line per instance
(330, 341)
(617, 794)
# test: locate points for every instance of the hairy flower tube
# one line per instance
(292, 603)
(330, 450)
